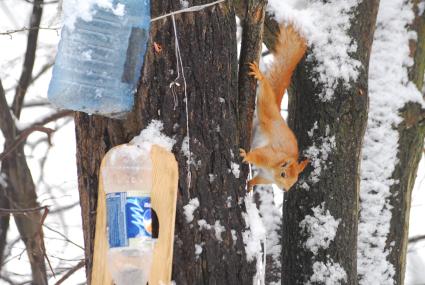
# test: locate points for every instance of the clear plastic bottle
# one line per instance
(98, 64)
(127, 181)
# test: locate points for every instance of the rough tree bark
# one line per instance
(411, 143)
(21, 194)
(208, 49)
(345, 118)
(4, 203)
(4, 224)
(252, 15)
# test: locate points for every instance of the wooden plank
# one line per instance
(164, 197)
(100, 273)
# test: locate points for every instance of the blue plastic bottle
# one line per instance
(98, 64)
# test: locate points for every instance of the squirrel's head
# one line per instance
(286, 173)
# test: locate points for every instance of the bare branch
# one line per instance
(43, 246)
(45, 3)
(28, 66)
(7, 125)
(23, 136)
(416, 239)
(25, 29)
(38, 126)
(22, 211)
(71, 271)
(4, 225)
(43, 70)
(53, 117)
(65, 237)
(65, 208)
(40, 103)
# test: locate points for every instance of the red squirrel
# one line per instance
(277, 157)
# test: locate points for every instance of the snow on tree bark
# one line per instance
(330, 129)
(208, 49)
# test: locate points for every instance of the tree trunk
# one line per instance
(21, 194)
(341, 124)
(208, 49)
(4, 224)
(410, 147)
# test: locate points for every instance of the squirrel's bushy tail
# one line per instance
(290, 48)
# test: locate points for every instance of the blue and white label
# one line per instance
(128, 218)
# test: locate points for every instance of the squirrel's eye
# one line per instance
(285, 164)
(283, 174)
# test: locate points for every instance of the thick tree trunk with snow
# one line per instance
(331, 201)
(411, 142)
(208, 49)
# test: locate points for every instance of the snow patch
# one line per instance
(218, 228)
(229, 202)
(319, 152)
(234, 235)
(184, 4)
(198, 250)
(325, 25)
(235, 169)
(389, 90)
(321, 228)
(3, 180)
(203, 225)
(190, 208)
(185, 149)
(212, 177)
(328, 274)
(256, 231)
(85, 9)
(271, 216)
(153, 134)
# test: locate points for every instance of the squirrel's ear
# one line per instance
(302, 165)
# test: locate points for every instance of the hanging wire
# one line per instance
(179, 64)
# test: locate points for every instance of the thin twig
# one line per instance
(44, 3)
(43, 70)
(38, 126)
(71, 271)
(416, 239)
(23, 136)
(53, 117)
(25, 29)
(29, 59)
(7, 125)
(43, 247)
(40, 103)
(22, 211)
(62, 235)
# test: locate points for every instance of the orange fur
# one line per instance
(289, 50)
(278, 159)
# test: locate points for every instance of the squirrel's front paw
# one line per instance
(255, 71)
(242, 153)
(250, 186)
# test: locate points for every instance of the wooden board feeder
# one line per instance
(163, 202)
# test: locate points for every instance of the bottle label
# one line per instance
(128, 218)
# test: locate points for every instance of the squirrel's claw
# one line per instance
(242, 153)
(255, 71)
(250, 186)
